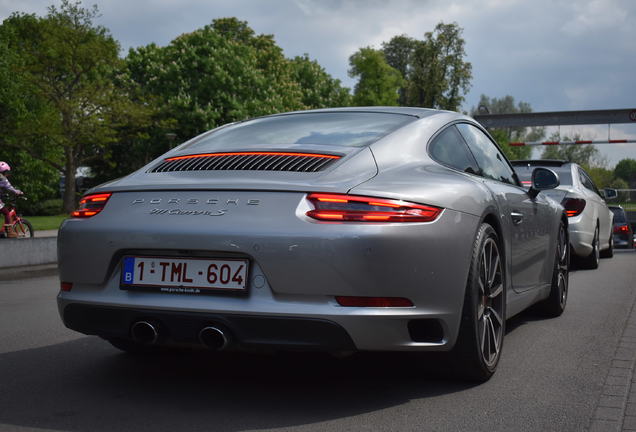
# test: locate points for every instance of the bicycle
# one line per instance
(19, 227)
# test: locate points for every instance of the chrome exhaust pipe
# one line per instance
(213, 338)
(144, 333)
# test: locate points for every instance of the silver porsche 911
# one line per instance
(392, 229)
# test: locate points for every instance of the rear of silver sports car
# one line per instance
(272, 260)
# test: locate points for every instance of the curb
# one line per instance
(616, 409)
(28, 252)
(29, 271)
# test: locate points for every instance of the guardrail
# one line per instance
(28, 252)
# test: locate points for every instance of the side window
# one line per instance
(450, 149)
(493, 164)
(587, 182)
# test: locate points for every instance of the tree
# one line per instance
(506, 105)
(626, 169)
(439, 76)
(218, 74)
(399, 55)
(586, 155)
(319, 89)
(65, 66)
(379, 83)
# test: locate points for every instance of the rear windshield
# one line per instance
(619, 215)
(352, 129)
(525, 173)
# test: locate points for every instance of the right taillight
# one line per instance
(573, 206)
(355, 208)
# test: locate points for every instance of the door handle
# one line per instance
(517, 218)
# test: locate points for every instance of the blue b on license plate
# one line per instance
(184, 274)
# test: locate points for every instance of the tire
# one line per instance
(609, 252)
(554, 305)
(478, 348)
(24, 229)
(591, 261)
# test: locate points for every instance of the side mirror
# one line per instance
(610, 193)
(543, 179)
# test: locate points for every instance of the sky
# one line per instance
(557, 55)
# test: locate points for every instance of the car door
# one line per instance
(525, 219)
(602, 211)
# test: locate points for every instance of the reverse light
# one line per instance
(354, 301)
(352, 208)
(573, 206)
(91, 204)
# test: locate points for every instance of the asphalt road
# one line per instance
(549, 378)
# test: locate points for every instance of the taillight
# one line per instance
(66, 286)
(91, 204)
(352, 208)
(621, 229)
(354, 301)
(573, 206)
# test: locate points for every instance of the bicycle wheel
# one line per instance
(23, 228)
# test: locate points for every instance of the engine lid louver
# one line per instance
(250, 161)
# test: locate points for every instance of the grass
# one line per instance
(46, 222)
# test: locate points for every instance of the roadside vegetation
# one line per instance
(70, 98)
(46, 222)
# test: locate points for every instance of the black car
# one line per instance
(623, 233)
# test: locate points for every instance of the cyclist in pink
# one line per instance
(6, 185)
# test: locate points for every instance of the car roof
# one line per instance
(540, 162)
(412, 111)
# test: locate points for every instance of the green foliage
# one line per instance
(626, 170)
(439, 76)
(319, 89)
(66, 67)
(601, 177)
(379, 83)
(399, 55)
(218, 74)
(506, 105)
(585, 155)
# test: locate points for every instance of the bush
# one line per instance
(50, 207)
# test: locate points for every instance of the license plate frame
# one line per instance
(188, 275)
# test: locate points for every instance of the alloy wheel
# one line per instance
(490, 302)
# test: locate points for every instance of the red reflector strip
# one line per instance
(617, 141)
(516, 144)
(582, 142)
(351, 301)
(201, 155)
(550, 143)
(66, 286)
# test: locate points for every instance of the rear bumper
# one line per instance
(182, 328)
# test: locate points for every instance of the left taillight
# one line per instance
(91, 204)
(354, 208)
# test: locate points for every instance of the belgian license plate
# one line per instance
(184, 275)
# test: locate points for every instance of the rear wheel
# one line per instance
(554, 305)
(609, 252)
(482, 328)
(591, 261)
(23, 228)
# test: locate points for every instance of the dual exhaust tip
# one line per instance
(146, 333)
